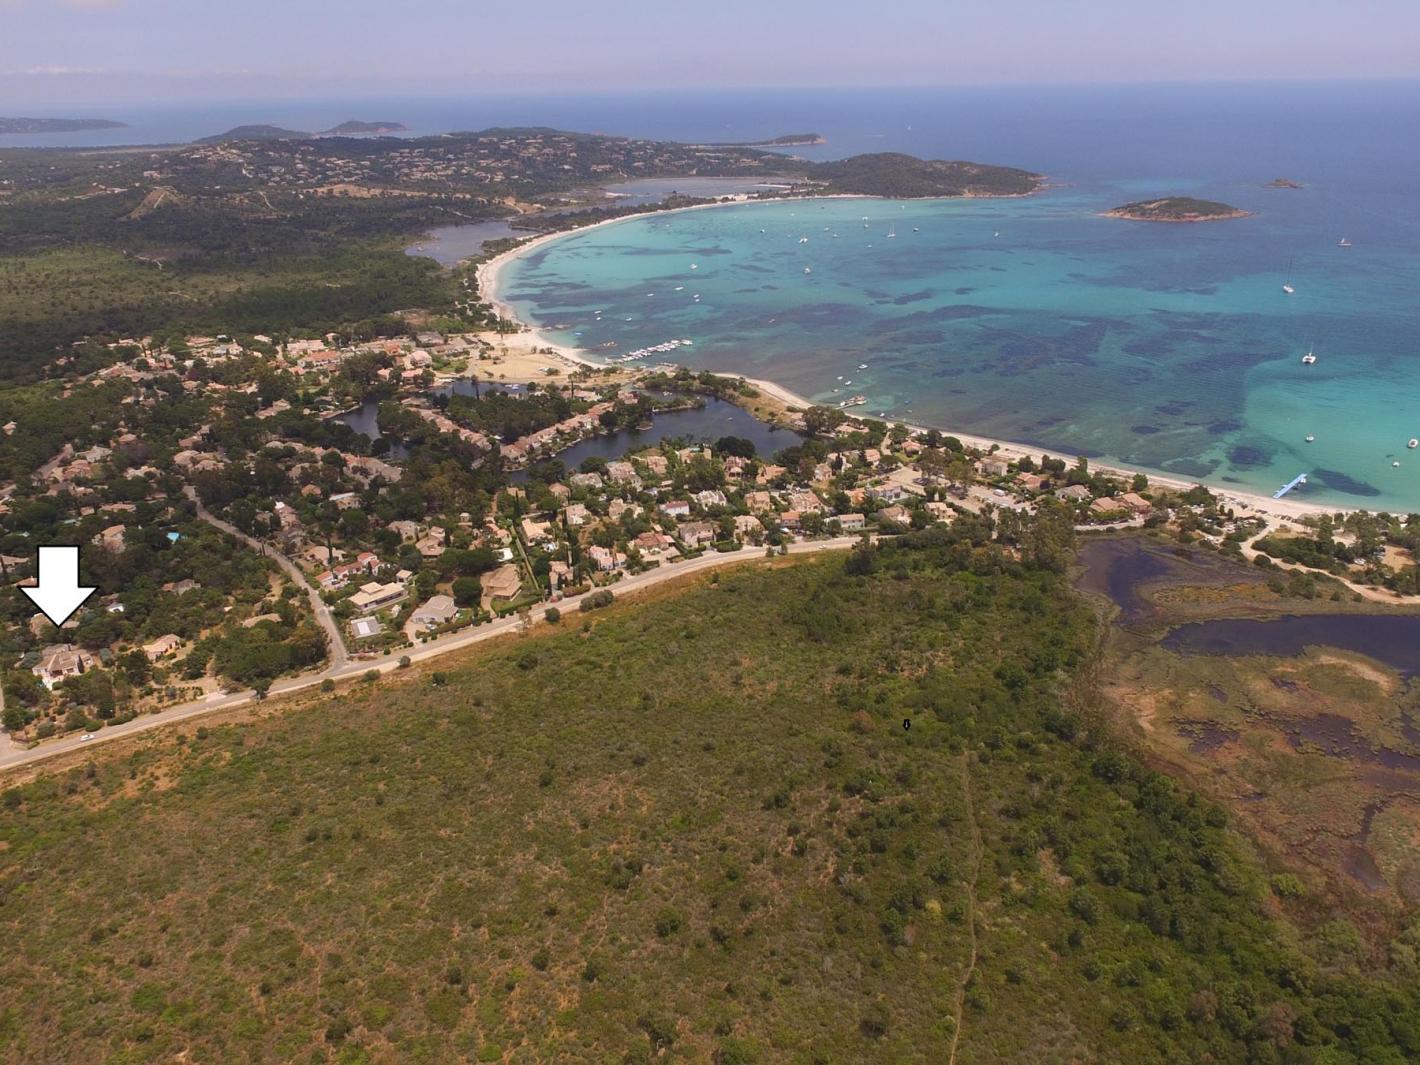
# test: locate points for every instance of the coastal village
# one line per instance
(638, 534)
(238, 529)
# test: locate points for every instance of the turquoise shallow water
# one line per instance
(1168, 347)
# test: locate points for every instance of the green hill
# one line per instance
(255, 133)
(897, 175)
(697, 827)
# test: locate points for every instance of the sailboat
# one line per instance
(1343, 243)
(1308, 358)
(1287, 285)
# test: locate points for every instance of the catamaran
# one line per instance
(1287, 285)
(1343, 243)
(1309, 358)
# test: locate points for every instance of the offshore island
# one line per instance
(1177, 209)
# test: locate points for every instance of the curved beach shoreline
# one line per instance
(489, 272)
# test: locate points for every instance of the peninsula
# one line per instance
(788, 140)
(1177, 209)
(255, 133)
(355, 128)
(57, 125)
(900, 176)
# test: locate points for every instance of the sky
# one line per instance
(60, 51)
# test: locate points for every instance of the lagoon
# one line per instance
(706, 424)
(451, 245)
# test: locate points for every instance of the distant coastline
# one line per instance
(352, 128)
(56, 125)
(356, 128)
(788, 140)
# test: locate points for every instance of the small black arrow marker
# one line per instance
(58, 593)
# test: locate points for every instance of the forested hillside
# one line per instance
(849, 809)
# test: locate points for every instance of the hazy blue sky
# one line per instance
(92, 50)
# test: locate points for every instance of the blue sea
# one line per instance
(1170, 347)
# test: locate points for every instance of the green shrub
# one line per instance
(875, 1020)
(1288, 886)
(732, 1051)
(596, 600)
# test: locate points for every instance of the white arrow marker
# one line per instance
(58, 593)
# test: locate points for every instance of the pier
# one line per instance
(1301, 478)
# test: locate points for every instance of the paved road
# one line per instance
(346, 668)
(339, 656)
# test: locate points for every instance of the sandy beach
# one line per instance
(488, 275)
